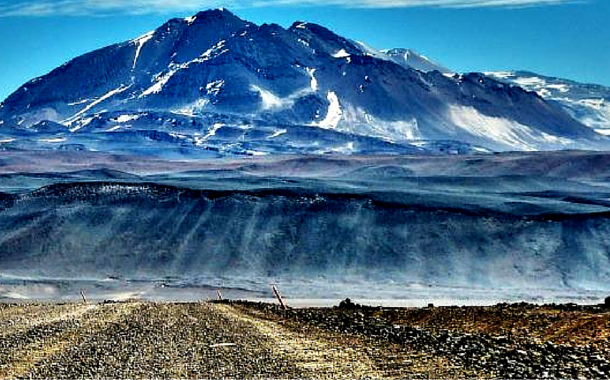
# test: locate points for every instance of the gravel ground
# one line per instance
(143, 340)
(249, 340)
(502, 341)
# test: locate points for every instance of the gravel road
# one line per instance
(140, 340)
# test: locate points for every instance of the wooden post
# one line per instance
(82, 294)
(219, 294)
(278, 296)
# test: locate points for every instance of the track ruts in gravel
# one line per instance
(146, 340)
(317, 357)
(404, 347)
(14, 318)
(364, 356)
(29, 345)
(259, 341)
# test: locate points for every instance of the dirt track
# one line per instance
(145, 340)
(242, 340)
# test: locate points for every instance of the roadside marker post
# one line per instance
(82, 294)
(279, 298)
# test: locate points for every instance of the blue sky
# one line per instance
(565, 38)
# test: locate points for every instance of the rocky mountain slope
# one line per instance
(588, 103)
(214, 84)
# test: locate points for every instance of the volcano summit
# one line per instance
(216, 85)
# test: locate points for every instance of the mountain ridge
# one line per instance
(198, 78)
(587, 102)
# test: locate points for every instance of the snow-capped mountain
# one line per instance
(587, 103)
(216, 83)
(411, 59)
(408, 58)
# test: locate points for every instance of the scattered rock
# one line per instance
(153, 340)
(514, 355)
(347, 304)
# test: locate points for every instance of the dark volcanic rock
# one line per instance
(132, 229)
(504, 357)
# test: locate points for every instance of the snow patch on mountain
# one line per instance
(509, 133)
(346, 149)
(597, 115)
(357, 120)
(269, 100)
(500, 130)
(81, 123)
(213, 88)
(140, 42)
(194, 109)
(589, 104)
(534, 82)
(101, 99)
(600, 118)
(117, 128)
(211, 132)
(54, 140)
(334, 113)
(605, 132)
(126, 118)
(372, 52)
(278, 133)
(79, 102)
(341, 54)
(411, 59)
(407, 58)
(314, 82)
(161, 79)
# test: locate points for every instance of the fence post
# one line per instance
(278, 296)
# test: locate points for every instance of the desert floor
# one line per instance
(254, 340)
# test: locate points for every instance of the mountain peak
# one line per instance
(196, 82)
(215, 13)
(322, 39)
(411, 58)
(313, 28)
(212, 15)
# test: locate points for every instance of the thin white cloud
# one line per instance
(41, 8)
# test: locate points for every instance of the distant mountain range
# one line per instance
(215, 85)
(587, 103)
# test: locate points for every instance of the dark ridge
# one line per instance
(219, 13)
(67, 193)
